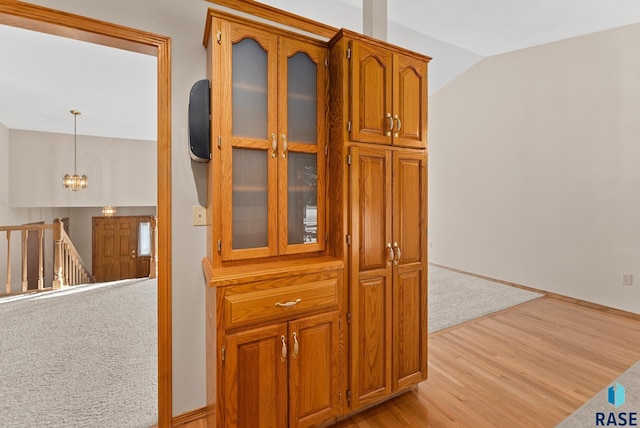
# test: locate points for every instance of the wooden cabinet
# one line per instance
(379, 213)
(287, 364)
(316, 256)
(275, 345)
(388, 272)
(268, 132)
(388, 96)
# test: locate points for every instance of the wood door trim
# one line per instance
(275, 15)
(64, 24)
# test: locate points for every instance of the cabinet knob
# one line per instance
(390, 126)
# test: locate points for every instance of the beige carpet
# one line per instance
(456, 297)
(81, 357)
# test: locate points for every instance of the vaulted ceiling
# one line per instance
(42, 77)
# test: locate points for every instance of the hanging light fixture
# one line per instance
(75, 182)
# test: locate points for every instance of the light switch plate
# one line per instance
(199, 215)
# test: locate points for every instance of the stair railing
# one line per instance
(68, 267)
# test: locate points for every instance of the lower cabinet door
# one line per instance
(409, 326)
(313, 368)
(256, 378)
(283, 375)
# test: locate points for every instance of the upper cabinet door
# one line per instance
(371, 71)
(409, 102)
(388, 97)
(270, 129)
(249, 138)
(302, 88)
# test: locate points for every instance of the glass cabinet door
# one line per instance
(302, 158)
(272, 105)
(249, 164)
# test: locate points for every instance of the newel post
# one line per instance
(58, 278)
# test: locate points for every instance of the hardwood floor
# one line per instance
(528, 366)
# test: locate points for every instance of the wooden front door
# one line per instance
(116, 243)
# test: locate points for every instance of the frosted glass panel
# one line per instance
(144, 239)
(249, 82)
(250, 220)
(302, 198)
(301, 99)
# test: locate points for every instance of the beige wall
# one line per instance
(535, 168)
(120, 172)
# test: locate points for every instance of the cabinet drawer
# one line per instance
(281, 302)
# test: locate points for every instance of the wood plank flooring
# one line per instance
(528, 366)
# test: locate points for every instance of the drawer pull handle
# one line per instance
(288, 304)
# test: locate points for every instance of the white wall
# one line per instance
(534, 168)
(448, 61)
(120, 172)
(184, 22)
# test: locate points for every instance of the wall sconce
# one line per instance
(108, 211)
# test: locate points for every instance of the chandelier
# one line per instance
(74, 182)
